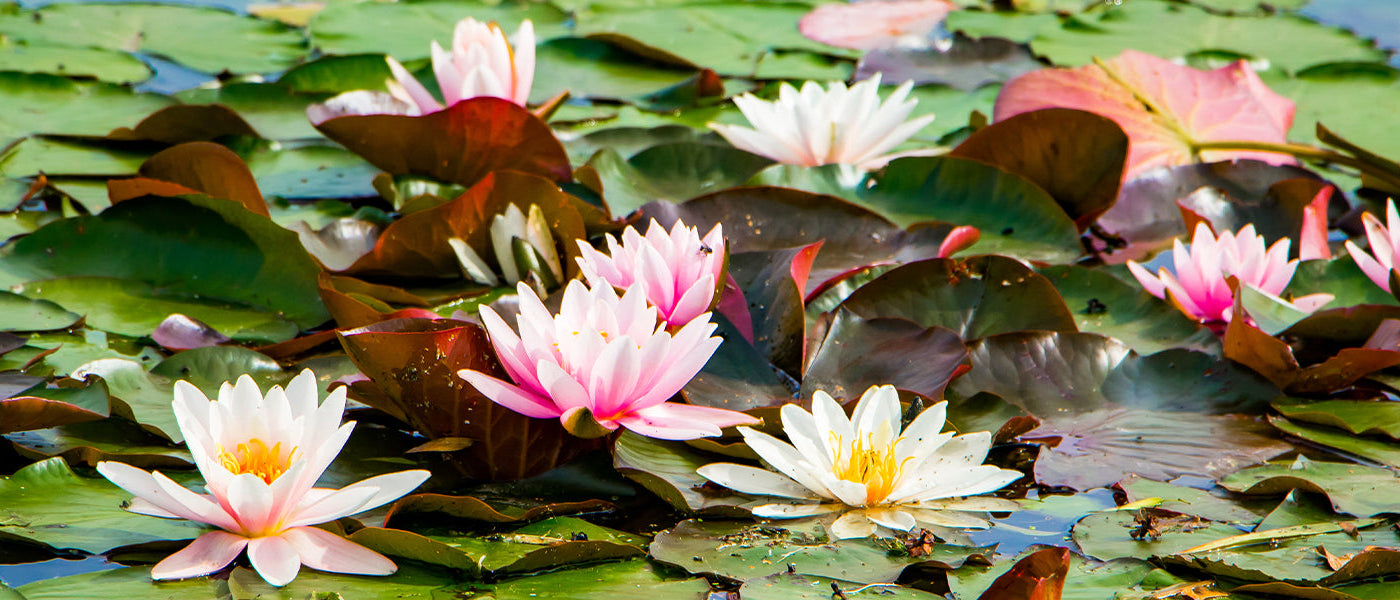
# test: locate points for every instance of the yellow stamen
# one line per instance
(255, 457)
(876, 467)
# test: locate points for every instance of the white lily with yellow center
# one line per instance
(868, 469)
(260, 458)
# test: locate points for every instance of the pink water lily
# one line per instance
(1385, 246)
(603, 358)
(1199, 285)
(836, 125)
(678, 271)
(260, 457)
(482, 63)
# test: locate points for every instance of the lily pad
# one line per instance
(41, 408)
(1043, 372)
(1357, 490)
(18, 313)
(405, 31)
(189, 235)
(667, 469)
(859, 353)
(975, 297)
(791, 586)
(40, 56)
(543, 545)
(36, 103)
(1377, 450)
(1189, 501)
(1104, 304)
(133, 582)
(742, 551)
(1015, 216)
(671, 172)
(1360, 418)
(48, 503)
(95, 441)
(204, 39)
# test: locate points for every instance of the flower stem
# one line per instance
(1382, 170)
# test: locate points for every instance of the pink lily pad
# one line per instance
(1167, 110)
(876, 24)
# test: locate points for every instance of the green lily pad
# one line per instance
(312, 172)
(742, 551)
(95, 441)
(133, 583)
(1107, 535)
(1043, 372)
(35, 155)
(1349, 99)
(791, 586)
(274, 110)
(1354, 489)
(667, 469)
(671, 172)
(404, 31)
(1104, 304)
(137, 395)
(172, 243)
(1188, 501)
(1296, 558)
(1176, 30)
(543, 545)
(72, 61)
(1377, 450)
(859, 353)
(1360, 418)
(39, 103)
(730, 37)
(204, 39)
(47, 503)
(592, 69)
(1016, 217)
(976, 297)
(335, 74)
(136, 308)
(18, 313)
(1182, 380)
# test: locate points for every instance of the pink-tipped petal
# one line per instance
(510, 396)
(325, 551)
(673, 421)
(206, 554)
(274, 559)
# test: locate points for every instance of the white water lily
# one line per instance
(506, 228)
(866, 468)
(836, 125)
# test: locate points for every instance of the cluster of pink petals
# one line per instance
(606, 355)
(260, 458)
(1199, 286)
(678, 271)
(1385, 246)
(482, 63)
(876, 24)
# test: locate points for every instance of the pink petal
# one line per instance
(206, 554)
(510, 396)
(274, 559)
(674, 421)
(323, 550)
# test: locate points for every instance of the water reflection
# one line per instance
(17, 575)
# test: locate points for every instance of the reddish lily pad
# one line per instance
(1168, 111)
(204, 167)
(1274, 359)
(413, 365)
(41, 408)
(770, 218)
(1076, 156)
(186, 123)
(1040, 576)
(461, 144)
(859, 353)
(1098, 448)
(773, 284)
(975, 297)
(416, 244)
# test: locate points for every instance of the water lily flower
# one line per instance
(524, 248)
(816, 127)
(1385, 244)
(482, 63)
(260, 457)
(604, 361)
(869, 470)
(678, 271)
(1200, 286)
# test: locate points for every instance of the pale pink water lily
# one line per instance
(1199, 286)
(1385, 246)
(867, 469)
(482, 63)
(836, 125)
(260, 457)
(877, 24)
(677, 270)
(603, 358)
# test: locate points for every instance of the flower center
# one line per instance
(254, 456)
(862, 461)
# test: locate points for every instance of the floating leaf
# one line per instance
(40, 408)
(37, 103)
(742, 551)
(461, 144)
(72, 61)
(405, 32)
(95, 441)
(671, 172)
(1166, 110)
(184, 123)
(204, 167)
(547, 544)
(1015, 216)
(18, 313)
(859, 353)
(966, 64)
(49, 504)
(1076, 156)
(1040, 576)
(975, 297)
(1356, 490)
(1358, 417)
(133, 582)
(1104, 304)
(667, 469)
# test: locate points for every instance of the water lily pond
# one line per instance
(700, 299)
